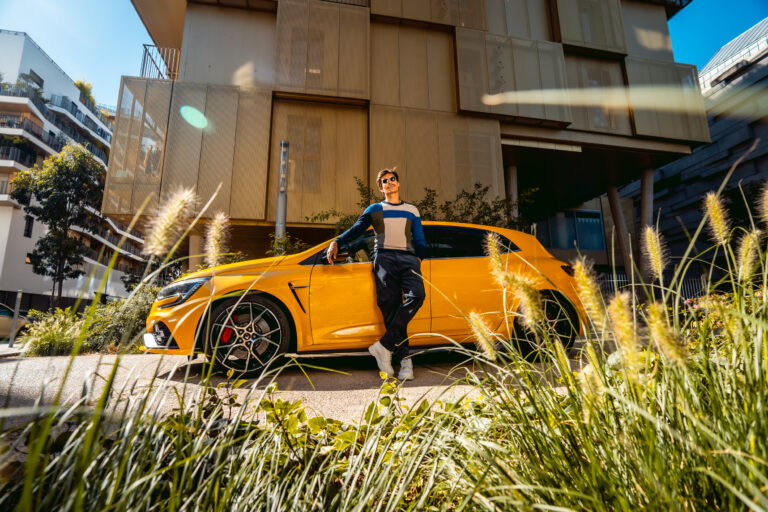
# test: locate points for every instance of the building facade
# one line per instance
(735, 88)
(358, 85)
(41, 110)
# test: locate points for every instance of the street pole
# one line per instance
(282, 199)
(15, 318)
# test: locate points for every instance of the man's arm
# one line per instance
(358, 228)
(419, 242)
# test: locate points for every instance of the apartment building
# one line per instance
(735, 87)
(357, 85)
(41, 110)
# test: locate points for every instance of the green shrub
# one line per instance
(118, 325)
(53, 333)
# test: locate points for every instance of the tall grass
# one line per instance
(674, 419)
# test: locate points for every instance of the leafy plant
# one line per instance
(118, 325)
(52, 333)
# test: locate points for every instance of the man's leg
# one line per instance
(396, 337)
(388, 298)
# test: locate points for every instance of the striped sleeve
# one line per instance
(419, 242)
(358, 228)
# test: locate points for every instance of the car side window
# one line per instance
(360, 250)
(459, 242)
(4, 311)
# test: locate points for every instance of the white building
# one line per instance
(41, 110)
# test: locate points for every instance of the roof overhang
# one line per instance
(164, 20)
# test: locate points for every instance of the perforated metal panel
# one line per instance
(592, 23)
(689, 123)
(501, 71)
(249, 173)
(182, 154)
(586, 73)
(323, 157)
(354, 57)
(527, 74)
(114, 190)
(153, 134)
(292, 41)
(323, 48)
(387, 140)
(422, 153)
(441, 77)
(414, 89)
(218, 147)
(472, 68)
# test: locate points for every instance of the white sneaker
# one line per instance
(383, 358)
(406, 370)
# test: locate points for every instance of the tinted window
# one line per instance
(4, 311)
(459, 242)
(360, 250)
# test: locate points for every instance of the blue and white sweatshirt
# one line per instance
(397, 228)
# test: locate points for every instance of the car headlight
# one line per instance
(182, 290)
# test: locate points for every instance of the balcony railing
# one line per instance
(71, 107)
(6, 187)
(160, 62)
(24, 91)
(25, 158)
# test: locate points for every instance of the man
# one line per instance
(399, 249)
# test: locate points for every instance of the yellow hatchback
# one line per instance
(245, 314)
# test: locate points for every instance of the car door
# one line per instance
(462, 280)
(342, 300)
(6, 317)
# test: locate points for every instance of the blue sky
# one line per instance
(100, 40)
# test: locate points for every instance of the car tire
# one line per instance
(561, 317)
(246, 334)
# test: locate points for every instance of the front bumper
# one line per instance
(160, 338)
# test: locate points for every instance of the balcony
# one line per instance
(70, 106)
(6, 187)
(25, 158)
(24, 91)
(671, 6)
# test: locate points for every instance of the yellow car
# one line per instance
(244, 314)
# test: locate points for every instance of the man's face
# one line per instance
(389, 184)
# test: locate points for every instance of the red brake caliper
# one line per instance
(227, 333)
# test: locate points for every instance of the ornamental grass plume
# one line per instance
(624, 331)
(588, 292)
(719, 223)
(483, 334)
(664, 336)
(168, 223)
(655, 251)
(524, 289)
(747, 254)
(216, 238)
(493, 250)
(764, 204)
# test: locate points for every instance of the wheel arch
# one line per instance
(202, 326)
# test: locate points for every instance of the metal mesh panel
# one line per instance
(485, 154)
(354, 59)
(387, 7)
(321, 162)
(687, 124)
(182, 155)
(471, 14)
(249, 173)
(385, 55)
(472, 69)
(414, 91)
(218, 148)
(417, 10)
(440, 72)
(292, 32)
(592, 23)
(527, 74)
(134, 130)
(147, 183)
(552, 69)
(501, 71)
(323, 48)
(111, 201)
(387, 140)
(422, 152)
(583, 72)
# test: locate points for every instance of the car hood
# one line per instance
(250, 266)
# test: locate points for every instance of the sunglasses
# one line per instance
(387, 180)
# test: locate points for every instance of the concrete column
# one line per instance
(646, 212)
(195, 250)
(622, 237)
(512, 195)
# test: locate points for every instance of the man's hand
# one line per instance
(332, 250)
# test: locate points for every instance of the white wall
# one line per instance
(228, 46)
(646, 30)
(12, 46)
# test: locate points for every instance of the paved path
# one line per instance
(342, 393)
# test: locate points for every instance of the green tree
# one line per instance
(86, 88)
(58, 194)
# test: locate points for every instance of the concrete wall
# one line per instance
(10, 59)
(228, 46)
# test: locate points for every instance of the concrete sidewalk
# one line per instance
(6, 351)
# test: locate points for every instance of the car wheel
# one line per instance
(560, 318)
(246, 333)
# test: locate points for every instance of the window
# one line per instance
(573, 229)
(28, 223)
(459, 242)
(36, 78)
(359, 250)
(4, 311)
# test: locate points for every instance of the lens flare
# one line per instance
(194, 117)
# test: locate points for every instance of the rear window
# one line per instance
(460, 242)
